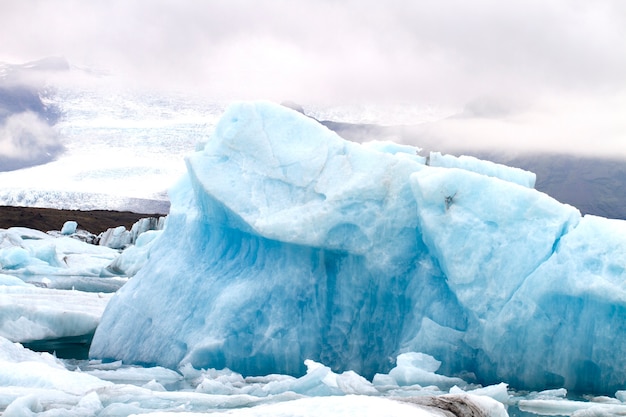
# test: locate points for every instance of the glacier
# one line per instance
(285, 243)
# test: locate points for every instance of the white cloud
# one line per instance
(26, 139)
(447, 52)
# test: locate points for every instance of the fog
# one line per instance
(553, 74)
(27, 140)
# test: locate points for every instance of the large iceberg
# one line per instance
(286, 243)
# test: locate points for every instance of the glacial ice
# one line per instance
(39, 384)
(69, 252)
(285, 243)
(69, 227)
(30, 252)
(54, 286)
(134, 257)
(29, 313)
(120, 238)
(491, 169)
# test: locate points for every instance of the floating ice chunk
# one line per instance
(115, 238)
(31, 313)
(601, 411)
(90, 404)
(69, 227)
(144, 225)
(10, 280)
(25, 233)
(490, 406)
(320, 380)
(212, 386)
(548, 394)
(138, 375)
(120, 238)
(15, 257)
(24, 406)
(24, 368)
(419, 369)
(15, 352)
(146, 400)
(571, 408)
(133, 258)
(384, 382)
(153, 385)
(349, 382)
(78, 283)
(27, 252)
(498, 392)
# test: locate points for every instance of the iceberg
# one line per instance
(286, 243)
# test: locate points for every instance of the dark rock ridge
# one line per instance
(44, 219)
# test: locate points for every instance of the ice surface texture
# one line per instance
(30, 252)
(34, 384)
(285, 243)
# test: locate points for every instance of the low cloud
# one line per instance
(354, 50)
(27, 140)
(567, 124)
(531, 55)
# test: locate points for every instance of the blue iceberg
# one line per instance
(286, 243)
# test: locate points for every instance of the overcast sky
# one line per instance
(557, 68)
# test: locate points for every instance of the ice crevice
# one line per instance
(567, 228)
(272, 274)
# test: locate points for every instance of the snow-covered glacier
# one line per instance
(286, 243)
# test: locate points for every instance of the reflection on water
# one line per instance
(75, 347)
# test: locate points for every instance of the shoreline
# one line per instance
(46, 219)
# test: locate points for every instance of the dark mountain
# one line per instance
(23, 88)
(591, 184)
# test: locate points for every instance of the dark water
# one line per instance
(75, 347)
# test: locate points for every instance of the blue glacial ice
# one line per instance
(286, 243)
(30, 252)
(39, 384)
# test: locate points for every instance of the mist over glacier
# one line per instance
(27, 118)
(285, 243)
